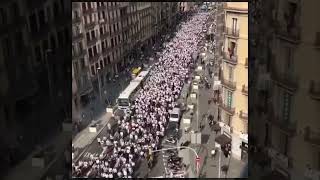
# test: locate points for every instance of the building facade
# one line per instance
(113, 34)
(34, 91)
(287, 88)
(234, 77)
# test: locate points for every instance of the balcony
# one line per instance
(227, 109)
(314, 90)
(92, 41)
(89, 11)
(105, 35)
(90, 25)
(78, 55)
(229, 84)
(289, 128)
(231, 59)
(102, 7)
(85, 88)
(289, 34)
(285, 80)
(245, 90)
(231, 32)
(77, 37)
(76, 20)
(243, 115)
(94, 58)
(312, 137)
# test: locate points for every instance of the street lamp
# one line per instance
(98, 70)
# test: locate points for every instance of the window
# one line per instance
(80, 46)
(75, 65)
(55, 10)
(103, 15)
(15, 10)
(90, 52)
(230, 71)
(93, 35)
(234, 24)
(95, 50)
(108, 59)
(97, 65)
(89, 5)
(62, 5)
(93, 70)
(76, 14)
(286, 106)
(53, 42)
(45, 44)
(103, 45)
(88, 36)
(229, 98)
(38, 53)
(101, 31)
(33, 23)
(101, 64)
(104, 62)
(82, 64)
(3, 17)
(84, 6)
(112, 44)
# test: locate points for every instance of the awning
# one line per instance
(223, 140)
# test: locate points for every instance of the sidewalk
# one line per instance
(85, 138)
(24, 170)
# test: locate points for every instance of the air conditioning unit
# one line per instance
(101, 21)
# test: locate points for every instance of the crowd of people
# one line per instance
(143, 127)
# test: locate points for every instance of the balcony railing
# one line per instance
(91, 25)
(77, 36)
(79, 54)
(228, 109)
(92, 41)
(312, 137)
(89, 10)
(314, 90)
(95, 58)
(229, 84)
(232, 59)
(232, 32)
(285, 80)
(105, 35)
(76, 20)
(245, 89)
(243, 115)
(285, 126)
(289, 34)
